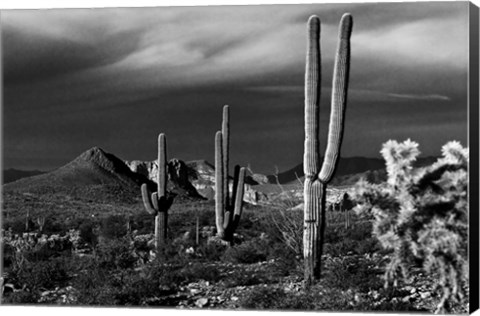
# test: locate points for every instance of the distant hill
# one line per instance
(348, 170)
(100, 176)
(94, 175)
(10, 175)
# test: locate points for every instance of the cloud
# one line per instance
(436, 97)
(115, 76)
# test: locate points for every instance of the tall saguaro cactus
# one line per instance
(158, 203)
(228, 209)
(318, 175)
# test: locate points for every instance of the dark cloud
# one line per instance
(115, 78)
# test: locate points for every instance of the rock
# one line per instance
(195, 291)
(178, 178)
(8, 288)
(145, 168)
(218, 241)
(201, 302)
(259, 178)
(425, 295)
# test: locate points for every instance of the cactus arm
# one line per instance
(311, 158)
(147, 202)
(219, 187)
(240, 190)
(239, 199)
(155, 201)
(236, 174)
(225, 149)
(339, 100)
(227, 220)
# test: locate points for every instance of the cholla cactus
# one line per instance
(422, 214)
(317, 175)
(227, 209)
(158, 203)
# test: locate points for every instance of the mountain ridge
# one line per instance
(93, 174)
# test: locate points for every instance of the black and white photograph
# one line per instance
(259, 157)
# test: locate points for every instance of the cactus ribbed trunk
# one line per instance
(219, 188)
(317, 176)
(314, 229)
(161, 217)
(159, 202)
(225, 151)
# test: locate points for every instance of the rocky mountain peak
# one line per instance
(99, 158)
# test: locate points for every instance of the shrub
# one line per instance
(252, 251)
(422, 214)
(116, 254)
(21, 297)
(35, 276)
(197, 271)
(210, 251)
(264, 298)
(113, 226)
(352, 273)
(87, 233)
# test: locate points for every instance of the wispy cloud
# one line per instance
(436, 97)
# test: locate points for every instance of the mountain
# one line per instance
(197, 177)
(348, 170)
(94, 175)
(10, 175)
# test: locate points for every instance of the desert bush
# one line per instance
(40, 275)
(88, 234)
(352, 272)
(21, 297)
(264, 298)
(286, 261)
(242, 278)
(286, 227)
(113, 226)
(422, 214)
(252, 251)
(116, 254)
(196, 271)
(347, 246)
(210, 251)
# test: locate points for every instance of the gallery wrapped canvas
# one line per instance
(320, 157)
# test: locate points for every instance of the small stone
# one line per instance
(425, 295)
(234, 298)
(194, 291)
(201, 302)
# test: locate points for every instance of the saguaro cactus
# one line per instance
(158, 203)
(317, 176)
(227, 209)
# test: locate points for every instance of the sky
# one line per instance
(116, 77)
